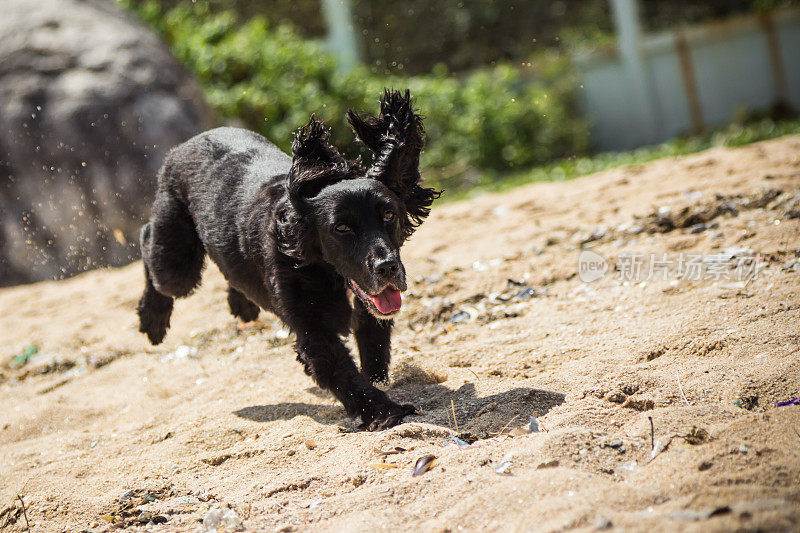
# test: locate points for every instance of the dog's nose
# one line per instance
(387, 268)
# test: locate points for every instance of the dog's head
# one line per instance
(357, 219)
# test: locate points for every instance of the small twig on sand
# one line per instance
(796, 433)
(680, 387)
(652, 434)
(453, 407)
(449, 426)
(506, 426)
(24, 513)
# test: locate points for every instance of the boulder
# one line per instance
(90, 102)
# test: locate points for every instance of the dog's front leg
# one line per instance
(328, 361)
(373, 337)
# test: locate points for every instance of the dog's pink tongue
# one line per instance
(388, 301)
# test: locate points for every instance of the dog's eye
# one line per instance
(342, 228)
(388, 216)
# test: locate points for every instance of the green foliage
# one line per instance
(270, 80)
(25, 356)
(412, 36)
(730, 136)
(492, 129)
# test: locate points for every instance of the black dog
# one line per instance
(297, 237)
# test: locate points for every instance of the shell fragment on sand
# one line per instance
(423, 464)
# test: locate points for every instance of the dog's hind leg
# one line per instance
(373, 337)
(241, 307)
(154, 309)
(173, 258)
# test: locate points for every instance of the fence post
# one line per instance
(776, 61)
(341, 32)
(684, 52)
(629, 38)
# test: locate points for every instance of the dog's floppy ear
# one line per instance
(315, 163)
(396, 138)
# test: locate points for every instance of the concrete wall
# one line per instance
(704, 76)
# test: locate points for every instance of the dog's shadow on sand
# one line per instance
(324, 414)
(481, 416)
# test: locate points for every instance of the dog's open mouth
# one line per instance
(386, 302)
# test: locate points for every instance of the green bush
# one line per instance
(732, 135)
(270, 79)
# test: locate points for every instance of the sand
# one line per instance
(100, 430)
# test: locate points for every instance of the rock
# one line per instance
(90, 102)
(459, 317)
(501, 211)
(792, 264)
(219, 519)
(526, 294)
(602, 523)
(634, 229)
(698, 228)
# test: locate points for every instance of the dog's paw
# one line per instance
(389, 418)
(153, 324)
(154, 327)
(242, 308)
(154, 310)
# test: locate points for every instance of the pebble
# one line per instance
(793, 264)
(219, 519)
(634, 229)
(181, 352)
(504, 465)
(603, 523)
(459, 317)
(698, 228)
(526, 294)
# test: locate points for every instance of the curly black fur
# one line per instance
(397, 138)
(309, 238)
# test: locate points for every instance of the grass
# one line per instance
(731, 136)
